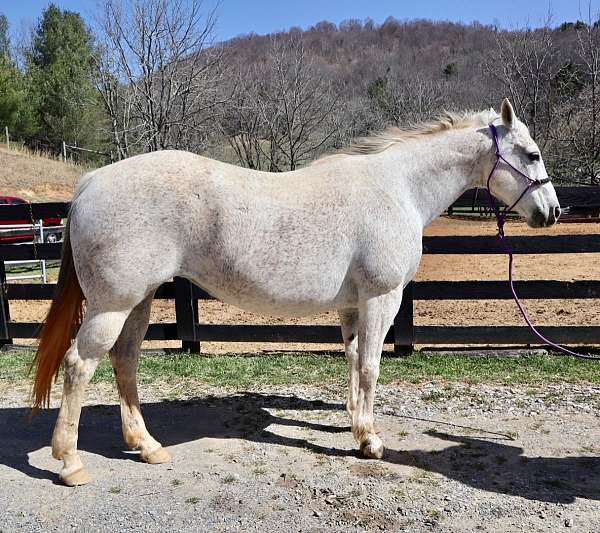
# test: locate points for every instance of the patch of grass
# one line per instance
(193, 500)
(176, 482)
(229, 478)
(247, 371)
(52, 270)
(115, 490)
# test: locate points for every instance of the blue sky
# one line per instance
(263, 16)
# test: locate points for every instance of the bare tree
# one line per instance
(242, 124)
(400, 100)
(118, 100)
(159, 75)
(295, 103)
(525, 64)
(579, 135)
(589, 54)
(281, 115)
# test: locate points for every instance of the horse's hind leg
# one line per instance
(97, 334)
(124, 356)
(349, 322)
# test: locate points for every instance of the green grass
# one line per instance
(247, 371)
(52, 269)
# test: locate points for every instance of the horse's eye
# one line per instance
(534, 156)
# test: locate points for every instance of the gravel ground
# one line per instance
(458, 458)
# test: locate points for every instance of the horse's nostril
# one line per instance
(557, 212)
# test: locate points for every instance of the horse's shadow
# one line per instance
(482, 463)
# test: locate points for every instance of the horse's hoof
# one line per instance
(372, 448)
(156, 457)
(79, 477)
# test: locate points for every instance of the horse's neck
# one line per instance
(436, 169)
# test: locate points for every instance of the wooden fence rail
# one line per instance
(404, 334)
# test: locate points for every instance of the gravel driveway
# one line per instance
(459, 458)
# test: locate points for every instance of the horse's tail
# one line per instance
(61, 325)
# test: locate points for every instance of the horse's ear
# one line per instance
(508, 114)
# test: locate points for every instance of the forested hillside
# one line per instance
(149, 76)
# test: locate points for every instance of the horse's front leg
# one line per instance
(376, 315)
(349, 322)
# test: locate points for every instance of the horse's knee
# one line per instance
(369, 373)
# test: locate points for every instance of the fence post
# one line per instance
(403, 324)
(7, 137)
(186, 312)
(64, 151)
(4, 308)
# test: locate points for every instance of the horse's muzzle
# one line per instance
(539, 219)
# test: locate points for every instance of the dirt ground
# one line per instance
(459, 458)
(433, 267)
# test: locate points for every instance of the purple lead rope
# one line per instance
(501, 219)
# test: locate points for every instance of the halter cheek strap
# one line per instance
(501, 218)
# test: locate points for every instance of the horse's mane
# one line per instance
(379, 142)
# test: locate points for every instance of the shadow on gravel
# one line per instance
(485, 464)
(495, 467)
(238, 416)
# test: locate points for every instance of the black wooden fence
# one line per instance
(581, 201)
(191, 331)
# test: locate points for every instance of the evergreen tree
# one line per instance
(4, 37)
(15, 111)
(59, 70)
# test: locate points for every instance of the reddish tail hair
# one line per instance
(61, 325)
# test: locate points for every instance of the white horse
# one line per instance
(344, 233)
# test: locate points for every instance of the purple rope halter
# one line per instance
(501, 219)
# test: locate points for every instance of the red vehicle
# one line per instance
(51, 236)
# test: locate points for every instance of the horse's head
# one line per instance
(520, 179)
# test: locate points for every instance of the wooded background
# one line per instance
(147, 75)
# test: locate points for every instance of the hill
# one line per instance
(36, 177)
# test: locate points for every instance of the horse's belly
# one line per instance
(285, 309)
(283, 295)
